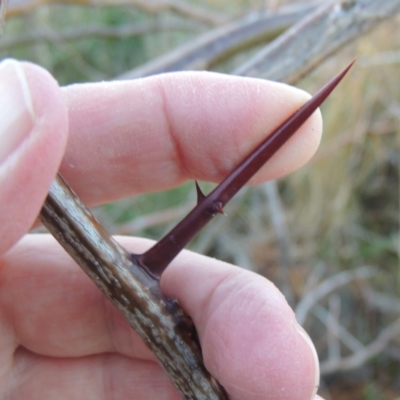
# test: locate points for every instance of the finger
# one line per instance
(33, 133)
(154, 133)
(250, 338)
(251, 341)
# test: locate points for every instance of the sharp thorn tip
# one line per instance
(217, 207)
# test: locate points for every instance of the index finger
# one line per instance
(135, 136)
(128, 137)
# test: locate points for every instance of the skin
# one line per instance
(59, 336)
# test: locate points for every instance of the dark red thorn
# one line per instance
(217, 208)
(200, 195)
(162, 253)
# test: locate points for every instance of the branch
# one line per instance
(308, 43)
(360, 353)
(366, 353)
(292, 55)
(221, 43)
(343, 334)
(159, 320)
(328, 286)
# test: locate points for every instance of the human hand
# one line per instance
(60, 337)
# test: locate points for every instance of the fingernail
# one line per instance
(16, 108)
(308, 340)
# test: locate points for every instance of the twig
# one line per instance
(343, 334)
(308, 43)
(328, 286)
(221, 43)
(314, 277)
(293, 54)
(360, 357)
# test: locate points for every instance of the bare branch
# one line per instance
(315, 276)
(343, 334)
(221, 43)
(291, 56)
(312, 40)
(362, 356)
(159, 320)
(328, 286)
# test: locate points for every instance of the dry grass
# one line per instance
(341, 211)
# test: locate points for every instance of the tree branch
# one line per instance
(159, 320)
(312, 40)
(292, 55)
(221, 43)
(359, 357)
(328, 286)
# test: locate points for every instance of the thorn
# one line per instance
(163, 252)
(217, 208)
(200, 194)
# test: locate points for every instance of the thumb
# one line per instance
(33, 132)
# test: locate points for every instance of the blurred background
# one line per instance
(327, 235)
